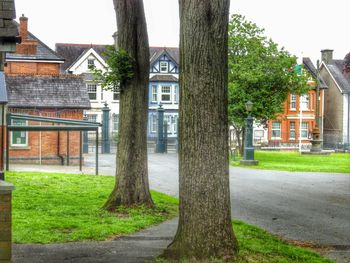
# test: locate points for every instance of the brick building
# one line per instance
(295, 124)
(36, 87)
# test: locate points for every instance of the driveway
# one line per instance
(295, 205)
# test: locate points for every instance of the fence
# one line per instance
(171, 143)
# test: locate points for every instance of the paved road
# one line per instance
(298, 206)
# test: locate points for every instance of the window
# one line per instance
(154, 93)
(91, 117)
(116, 94)
(19, 138)
(276, 130)
(293, 102)
(175, 119)
(91, 62)
(92, 88)
(176, 94)
(304, 102)
(154, 123)
(115, 122)
(163, 67)
(304, 130)
(258, 134)
(292, 130)
(166, 94)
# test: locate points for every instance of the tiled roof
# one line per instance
(342, 78)
(165, 78)
(8, 29)
(313, 71)
(43, 52)
(3, 91)
(7, 9)
(63, 91)
(156, 52)
(72, 52)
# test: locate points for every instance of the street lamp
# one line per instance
(248, 155)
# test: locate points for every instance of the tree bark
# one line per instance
(205, 228)
(132, 186)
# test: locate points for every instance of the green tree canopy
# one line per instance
(119, 69)
(259, 71)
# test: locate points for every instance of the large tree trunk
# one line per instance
(132, 187)
(205, 228)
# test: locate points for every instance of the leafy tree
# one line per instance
(132, 187)
(204, 229)
(259, 71)
(119, 69)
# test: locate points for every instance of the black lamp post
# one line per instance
(248, 155)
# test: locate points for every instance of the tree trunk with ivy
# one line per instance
(132, 186)
(205, 229)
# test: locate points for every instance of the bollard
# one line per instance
(106, 146)
(160, 146)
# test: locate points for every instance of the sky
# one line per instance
(303, 27)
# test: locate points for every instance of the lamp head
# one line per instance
(249, 106)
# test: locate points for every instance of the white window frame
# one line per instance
(304, 128)
(176, 94)
(165, 93)
(91, 62)
(154, 123)
(116, 93)
(25, 123)
(304, 102)
(292, 129)
(115, 122)
(89, 115)
(89, 86)
(154, 93)
(293, 102)
(275, 129)
(165, 66)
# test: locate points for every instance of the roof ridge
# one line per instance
(82, 44)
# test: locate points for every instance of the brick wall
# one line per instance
(48, 147)
(32, 68)
(5, 223)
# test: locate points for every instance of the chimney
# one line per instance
(327, 55)
(23, 27)
(27, 46)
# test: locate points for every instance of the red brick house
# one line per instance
(298, 119)
(36, 87)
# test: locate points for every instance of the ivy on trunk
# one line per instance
(132, 186)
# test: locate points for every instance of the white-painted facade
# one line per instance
(98, 96)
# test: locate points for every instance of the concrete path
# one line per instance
(143, 246)
(297, 206)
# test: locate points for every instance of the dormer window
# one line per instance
(91, 62)
(164, 67)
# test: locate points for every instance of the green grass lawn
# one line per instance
(53, 208)
(258, 246)
(293, 161)
(58, 208)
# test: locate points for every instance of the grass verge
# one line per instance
(55, 208)
(258, 246)
(295, 162)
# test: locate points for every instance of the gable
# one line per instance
(164, 60)
(81, 64)
(335, 73)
